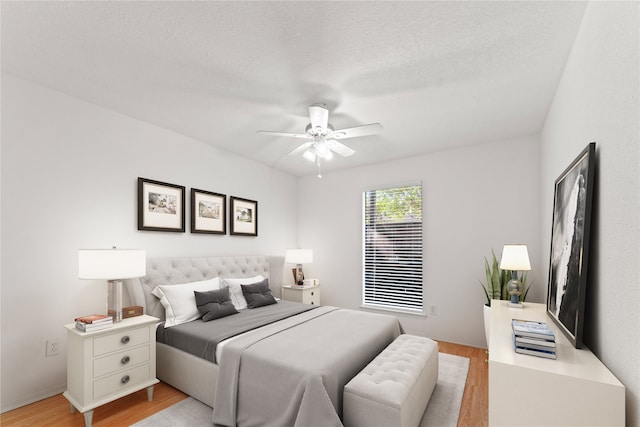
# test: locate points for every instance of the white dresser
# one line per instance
(307, 294)
(111, 363)
(575, 389)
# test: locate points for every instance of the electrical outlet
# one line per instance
(433, 310)
(53, 347)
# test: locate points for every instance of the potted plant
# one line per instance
(496, 287)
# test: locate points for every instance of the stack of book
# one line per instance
(94, 322)
(533, 338)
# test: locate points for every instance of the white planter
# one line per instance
(487, 327)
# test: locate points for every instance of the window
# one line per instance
(392, 239)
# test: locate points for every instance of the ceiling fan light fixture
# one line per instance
(310, 154)
(322, 148)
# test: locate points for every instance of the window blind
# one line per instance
(392, 255)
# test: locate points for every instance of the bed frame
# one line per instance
(192, 375)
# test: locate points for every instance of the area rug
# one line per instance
(443, 409)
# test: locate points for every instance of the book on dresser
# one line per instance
(93, 322)
(534, 343)
(533, 338)
(535, 347)
(532, 329)
(534, 352)
(95, 318)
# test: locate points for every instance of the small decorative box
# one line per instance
(133, 311)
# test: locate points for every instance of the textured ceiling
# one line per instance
(437, 75)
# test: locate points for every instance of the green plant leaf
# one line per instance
(488, 291)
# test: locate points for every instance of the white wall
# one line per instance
(598, 100)
(474, 199)
(69, 174)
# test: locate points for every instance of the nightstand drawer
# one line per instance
(308, 294)
(120, 381)
(122, 360)
(120, 341)
(311, 296)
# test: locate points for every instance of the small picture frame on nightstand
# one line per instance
(294, 272)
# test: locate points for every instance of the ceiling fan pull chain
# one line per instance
(319, 170)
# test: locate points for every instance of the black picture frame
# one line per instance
(243, 216)
(569, 256)
(160, 206)
(208, 212)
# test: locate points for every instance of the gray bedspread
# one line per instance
(292, 373)
(201, 338)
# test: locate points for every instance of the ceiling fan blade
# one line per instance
(293, 135)
(319, 116)
(340, 148)
(301, 148)
(363, 130)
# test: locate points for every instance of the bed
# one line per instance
(294, 367)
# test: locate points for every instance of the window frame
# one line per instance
(399, 303)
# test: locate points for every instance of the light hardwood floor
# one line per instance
(474, 411)
(55, 411)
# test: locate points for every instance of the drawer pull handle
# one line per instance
(125, 379)
(312, 294)
(125, 360)
(125, 339)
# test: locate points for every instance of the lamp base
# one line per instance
(114, 299)
(514, 288)
(515, 300)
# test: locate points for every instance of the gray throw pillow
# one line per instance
(258, 294)
(214, 304)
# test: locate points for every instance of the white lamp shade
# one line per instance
(299, 256)
(515, 257)
(111, 264)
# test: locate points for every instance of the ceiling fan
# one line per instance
(322, 138)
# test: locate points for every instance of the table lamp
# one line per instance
(515, 258)
(299, 257)
(112, 265)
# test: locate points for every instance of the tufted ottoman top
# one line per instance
(391, 376)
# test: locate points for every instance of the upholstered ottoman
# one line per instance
(394, 389)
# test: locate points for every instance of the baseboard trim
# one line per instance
(27, 400)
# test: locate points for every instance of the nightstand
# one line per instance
(106, 365)
(307, 294)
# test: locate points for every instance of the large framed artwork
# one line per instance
(569, 256)
(208, 212)
(160, 206)
(243, 216)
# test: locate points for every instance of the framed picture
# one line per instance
(569, 256)
(296, 279)
(243, 216)
(208, 212)
(160, 206)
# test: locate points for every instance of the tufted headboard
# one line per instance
(174, 271)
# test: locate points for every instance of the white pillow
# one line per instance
(179, 301)
(235, 291)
